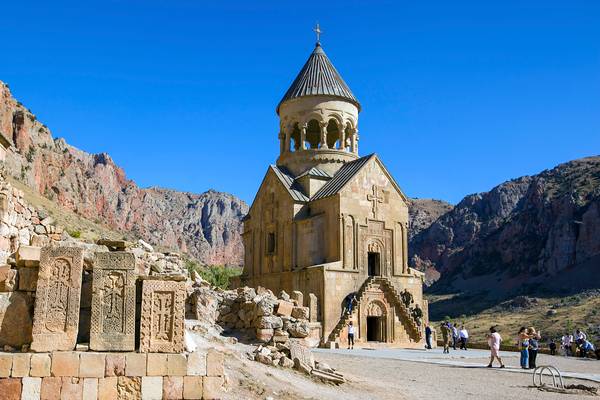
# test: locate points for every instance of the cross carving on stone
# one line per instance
(375, 198)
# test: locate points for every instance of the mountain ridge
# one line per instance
(207, 226)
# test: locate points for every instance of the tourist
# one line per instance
(494, 340)
(428, 337)
(523, 345)
(417, 315)
(454, 335)
(552, 347)
(350, 335)
(407, 298)
(586, 347)
(580, 336)
(566, 341)
(534, 346)
(446, 332)
(349, 302)
(464, 337)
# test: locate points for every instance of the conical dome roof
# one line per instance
(319, 77)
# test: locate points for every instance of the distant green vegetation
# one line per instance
(74, 233)
(216, 275)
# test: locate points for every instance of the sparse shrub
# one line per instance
(30, 154)
(74, 233)
(216, 275)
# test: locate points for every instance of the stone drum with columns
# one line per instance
(329, 222)
(113, 302)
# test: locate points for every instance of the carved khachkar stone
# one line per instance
(162, 316)
(56, 313)
(113, 302)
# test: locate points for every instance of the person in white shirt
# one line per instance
(350, 335)
(464, 337)
(566, 342)
(494, 340)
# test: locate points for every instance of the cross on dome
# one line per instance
(317, 31)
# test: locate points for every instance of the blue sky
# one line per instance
(457, 97)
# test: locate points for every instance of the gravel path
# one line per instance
(386, 379)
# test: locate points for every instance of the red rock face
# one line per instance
(207, 226)
(535, 233)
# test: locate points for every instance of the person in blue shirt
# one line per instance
(428, 337)
(585, 347)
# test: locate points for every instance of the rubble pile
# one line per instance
(271, 318)
(293, 354)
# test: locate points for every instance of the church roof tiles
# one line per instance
(341, 177)
(319, 77)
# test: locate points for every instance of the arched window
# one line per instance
(333, 134)
(295, 138)
(313, 134)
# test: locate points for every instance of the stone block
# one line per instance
(28, 256)
(92, 365)
(72, 388)
(129, 387)
(6, 360)
(107, 388)
(113, 302)
(173, 387)
(115, 365)
(162, 316)
(264, 335)
(215, 363)
(192, 387)
(284, 308)
(135, 364)
(118, 245)
(90, 388)
(40, 365)
(28, 278)
(65, 363)
(8, 279)
(196, 363)
(152, 387)
(298, 298)
(157, 364)
(313, 308)
(301, 312)
(212, 387)
(56, 312)
(176, 364)
(10, 388)
(15, 319)
(31, 388)
(50, 389)
(21, 365)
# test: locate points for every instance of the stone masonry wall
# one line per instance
(89, 376)
(22, 224)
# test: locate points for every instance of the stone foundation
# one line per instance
(90, 375)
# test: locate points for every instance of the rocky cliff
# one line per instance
(207, 226)
(535, 234)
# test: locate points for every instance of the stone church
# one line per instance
(329, 222)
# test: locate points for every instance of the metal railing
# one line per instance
(554, 372)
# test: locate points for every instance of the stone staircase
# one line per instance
(384, 284)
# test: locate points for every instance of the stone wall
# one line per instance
(21, 223)
(88, 375)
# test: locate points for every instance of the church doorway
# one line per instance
(375, 329)
(373, 261)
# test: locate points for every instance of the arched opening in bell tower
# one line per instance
(333, 134)
(313, 134)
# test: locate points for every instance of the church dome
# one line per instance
(318, 77)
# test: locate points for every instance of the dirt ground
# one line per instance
(386, 379)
